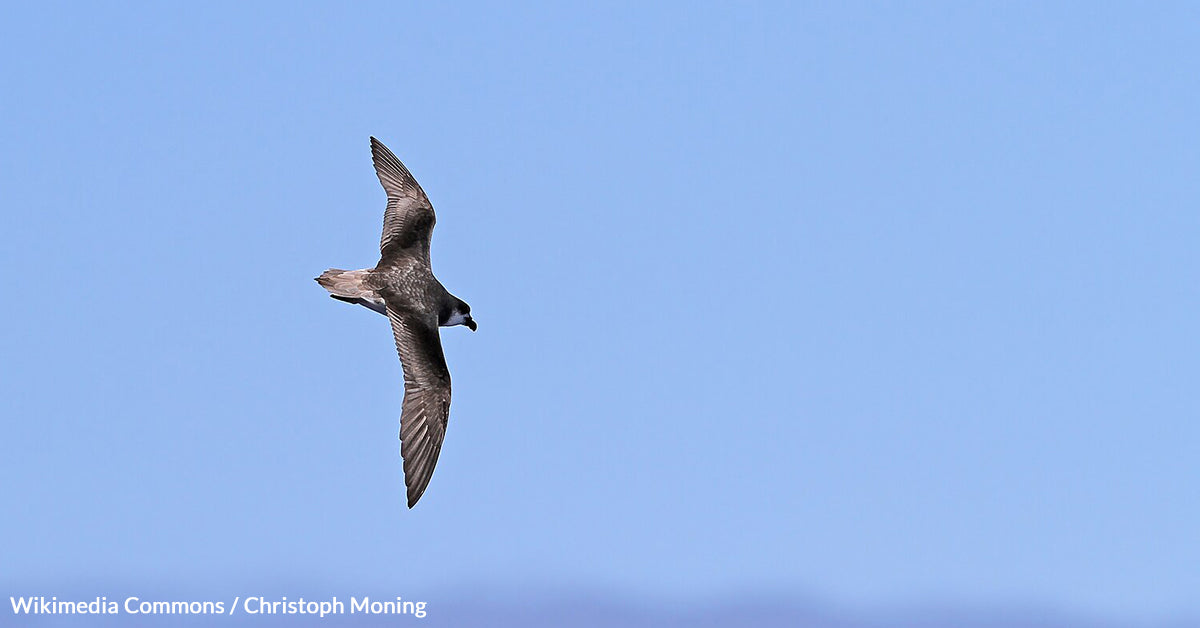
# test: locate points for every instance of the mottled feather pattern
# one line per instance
(402, 287)
(409, 218)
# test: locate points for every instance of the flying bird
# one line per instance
(403, 288)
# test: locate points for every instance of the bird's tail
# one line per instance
(346, 284)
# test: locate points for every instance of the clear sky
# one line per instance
(877, 304)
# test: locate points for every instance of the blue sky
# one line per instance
(874, 304)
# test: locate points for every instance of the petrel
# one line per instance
(403, 288)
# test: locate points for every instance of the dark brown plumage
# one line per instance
(402, 287)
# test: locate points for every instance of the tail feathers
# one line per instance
(347, 285)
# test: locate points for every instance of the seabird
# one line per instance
(403, 288)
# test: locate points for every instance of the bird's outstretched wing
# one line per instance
(409, 218)
(426, 407)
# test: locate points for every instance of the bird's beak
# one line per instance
(471, 324)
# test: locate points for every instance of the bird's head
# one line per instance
(459, 314)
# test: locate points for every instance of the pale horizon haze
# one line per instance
(870, 314)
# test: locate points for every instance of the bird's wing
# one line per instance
(409, 219)
(426, 407)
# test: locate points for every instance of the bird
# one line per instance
(402, 288)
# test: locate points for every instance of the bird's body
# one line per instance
(403, 288)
